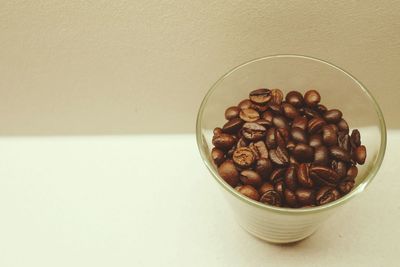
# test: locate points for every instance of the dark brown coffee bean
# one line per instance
(299, 135)
(231, 113)
(333, 115)
(232, 126)
(249, 192)
(352, 172)
(249, 115)
(344, 141)
(260, 108)
(360, 153)
(326, 194)
(280, 188)
(290, 198)
(217, 156)
(279, 156)
(300, 122)
(242, 142)
(229, 173)
(309, 113)
(261, 149)
(217, 131)
(339, 167)
(315, 140)
(268, 116)
(355, 138)
(290, 111)
(245, 104)
(329, 135)
(343, 126)
(290, 145)
(293, 160)
(281, 137)
(339, 153)
(253, 131)
(324, 175)
(303, 176)
(290, 177)
(321, 109)
(346, 186)
(265, 187)
(263, 167)
(243, 157)
(321, 155)
(272, 198)
(312, 98)
(280, 122)
(277, 175)
(270, 138)
(223, 141)
(229, 153)
(260, 96)
(276, 97)
(303, 153)
(295, 98)
(305, 196)
(315, 125)
(249, 177)
(264, 123)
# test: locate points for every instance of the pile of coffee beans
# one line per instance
(287, 151)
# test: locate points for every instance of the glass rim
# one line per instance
(360, 188)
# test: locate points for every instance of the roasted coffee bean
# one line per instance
(324, 175)
(321, 109)
(309, 113)
(217, 156)
(293, 160)
(260, 96)
(263, 167)
(280, 122)
(217, 131)
(277, 175)
(279, 156)
(265, 187)
(232, 112)
(242, 142)
(300, 122)
(326, 194)
(299, 135)
(303, 153)
(290, 111)
(312, 98)
(329, 135)
(229, 153)
(245, 104)
(355, 138)
(260, 108)
(321, 155)
(344, 141)
(290, 177)
(249, 177)
(352, 172)
(290, 145)
(268, 116)
(305, 196)
(295, 98)
(243, 157)
(223, 141)
(280, 188)
(271, 197)
(290, 198)
(249, 192)
(264, 123)
(339, 153)
(360, 153)
(276, 109)
(229, 173)
(346, 186)
(339, 167)
(253, 131)
(261, 148)
(232, 126)
(315, 125)
(343, 126)
(315, 140)
(303, 176)
(270, 138)
(249, 115)
(276, 96)
(333, 115)
(281, 137)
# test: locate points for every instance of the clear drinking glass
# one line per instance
(338, 89)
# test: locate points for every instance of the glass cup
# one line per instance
(338, 89)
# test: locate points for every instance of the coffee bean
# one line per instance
(309, 113)
(290, 145)
(260, 96)
(280, 188)
(339, 153)
(232, 126)
(312, 98)
(290, 198)
(352, 172)
(277, 175)
(315, 140)
(329, 135)
(242, 142)
(217, 156)
(223, 141)
(321, 109)
(355, 138)
(293, 160)
(303, 153)
(360, 153)
(217, 131)
(339, 167)
(299, 135)
(265, 187)
(303, 176)
(333, 115)
(326, 194)
(305, 196)
(245, 104)
(295, 98)
(290, 177)
(260, 108)
(344, 141)
(321, 155)
(268, 116)
(300, 122)
(229, 153)
(280, 122)
(249, 115)
(315, 125)
(249, 177)
(276, 109)
(232, 112)
(271, 197)
(253, 131)
(229, 173)
(276, 96)
(281, 137)
(290, 111)
(346, 186)
(263, 167)
(264, 123)
(261, 149)
(279, 156)
(324, 175)
(243, 157)
(270, 138)
(249, 192)
(343, 126)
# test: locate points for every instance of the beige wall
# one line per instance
(83, 67)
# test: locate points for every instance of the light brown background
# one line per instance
(121, 67)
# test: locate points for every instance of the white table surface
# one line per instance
(149, 201)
